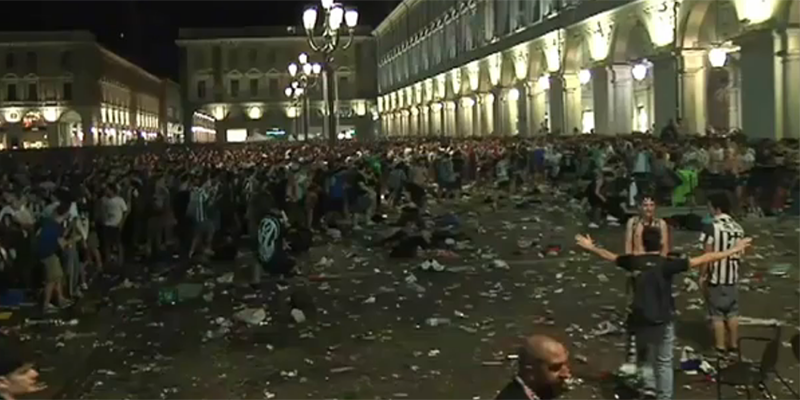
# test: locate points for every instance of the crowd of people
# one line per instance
(67, 217)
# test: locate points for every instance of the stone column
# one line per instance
(87, 123)
(556, 95)
(572, 103)
(220, 135)
(188, 122)
(791, 85)
(456, 118)
(53, 134)
(622, 118)
(602, 101)
(665, 87)
(694, 92)
(760, 98)
(477, 120)
(488, 117)
(522, 110)
(500, 126)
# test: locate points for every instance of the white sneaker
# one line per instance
(592, 225)
(49, 309)
(426, 265)
(436, 266)
(627, 369)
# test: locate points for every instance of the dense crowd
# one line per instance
(68, 216)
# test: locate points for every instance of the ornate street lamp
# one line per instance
(336, 20)
(305, 75)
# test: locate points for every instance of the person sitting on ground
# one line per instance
(543, 370)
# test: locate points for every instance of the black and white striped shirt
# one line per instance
(723, 233)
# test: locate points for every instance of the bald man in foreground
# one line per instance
(543, 370)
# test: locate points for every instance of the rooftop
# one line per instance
(252, 32)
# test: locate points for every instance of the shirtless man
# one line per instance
(646, 218)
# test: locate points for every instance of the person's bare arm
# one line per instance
(665, 243)
(629, 236)
(587, 244)
(706, 258)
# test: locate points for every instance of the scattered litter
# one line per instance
(226, 278)
(251, 316)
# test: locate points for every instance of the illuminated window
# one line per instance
(642, 123)
(587, 121)
(236, 135)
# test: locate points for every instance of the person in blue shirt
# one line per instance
(49, 243)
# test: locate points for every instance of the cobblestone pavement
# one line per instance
(369, 338)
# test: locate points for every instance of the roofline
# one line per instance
(184, 42)
(128, 63)
(401, 8)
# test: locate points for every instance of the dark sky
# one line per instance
(145, 31)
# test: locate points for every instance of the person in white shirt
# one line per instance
(114, 211)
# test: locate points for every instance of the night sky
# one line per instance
(145, 31)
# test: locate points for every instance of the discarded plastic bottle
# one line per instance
(298, 315)
(437, 321)
(168, 296)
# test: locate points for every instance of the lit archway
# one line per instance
(70, 129)
(713, 25)
(633, 84)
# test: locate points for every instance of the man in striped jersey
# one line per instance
(720, 278)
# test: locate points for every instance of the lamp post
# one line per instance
(326, 43)
(305, 77)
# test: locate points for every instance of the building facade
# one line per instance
(518, 67)
(64, 89)
(234, 82)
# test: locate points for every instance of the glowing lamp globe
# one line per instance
(639, 72)
(309, 18)
(336, 18)
(584, 76)
(544, 83)
(351, 18)
(717, 57)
